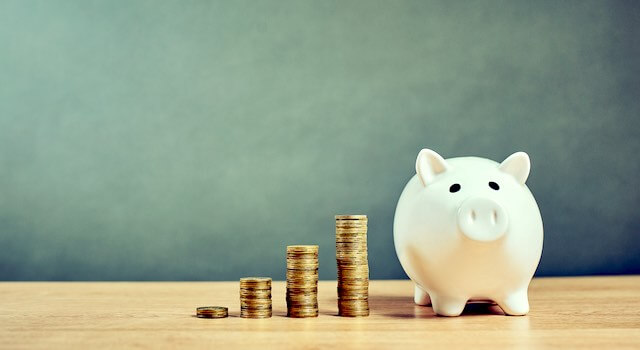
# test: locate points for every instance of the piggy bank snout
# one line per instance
(482, 219)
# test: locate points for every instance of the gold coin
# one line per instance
(344, 258)
(353, 310)
(253, 315)
(302, 297)
(354, 296)
(351, 245)
(350, 274)
(302, 278)
(353, 281)
(301, 286)
(351, 235)
(353, 304)
(341, 239)
(250, 281)
(355, 225)
(304, 257)
(255, 287)
(353, 313)
(343, 287)
(255, 301)
(305, 284)
(359, 227)
(351, 269)
(353, 250)
(351, 223)
(361, 260)
(351, 239)
(301, 254)
(361, 290)
(345, 262)
(298, 303)
(302, 260)
(255, 307)
(296, 288)
(212, 312)
(256, 279)
(294, 314)
(305, 270)
(348, 237)
(302, 314)
(302, 248)
(255, 311)
(351, 217)
(351, 228)
(351, 255)
(256, 293)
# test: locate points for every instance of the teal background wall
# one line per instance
(193, 140)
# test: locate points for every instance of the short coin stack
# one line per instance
(302, 281)
(353, 266)
(255, 297)
(212, 312)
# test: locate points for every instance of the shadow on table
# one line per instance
(404, 307)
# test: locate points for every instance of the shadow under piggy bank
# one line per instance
(404, 307)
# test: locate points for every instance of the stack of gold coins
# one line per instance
(212, 312)
(302, 281)
(353, 266)
(255, 297)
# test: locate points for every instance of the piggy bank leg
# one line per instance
(447, 306)
(421, 297)
(515, 304)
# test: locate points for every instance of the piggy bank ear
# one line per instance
(517, 165)
(428, 165)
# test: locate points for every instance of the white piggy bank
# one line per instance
(468, 228)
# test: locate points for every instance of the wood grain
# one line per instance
(583, 312)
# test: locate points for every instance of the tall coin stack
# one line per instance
(255, 297)
(302, 281)
(353, 266)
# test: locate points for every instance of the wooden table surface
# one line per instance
(583, 312)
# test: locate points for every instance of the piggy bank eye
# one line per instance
(494, 185)
(454, 188)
